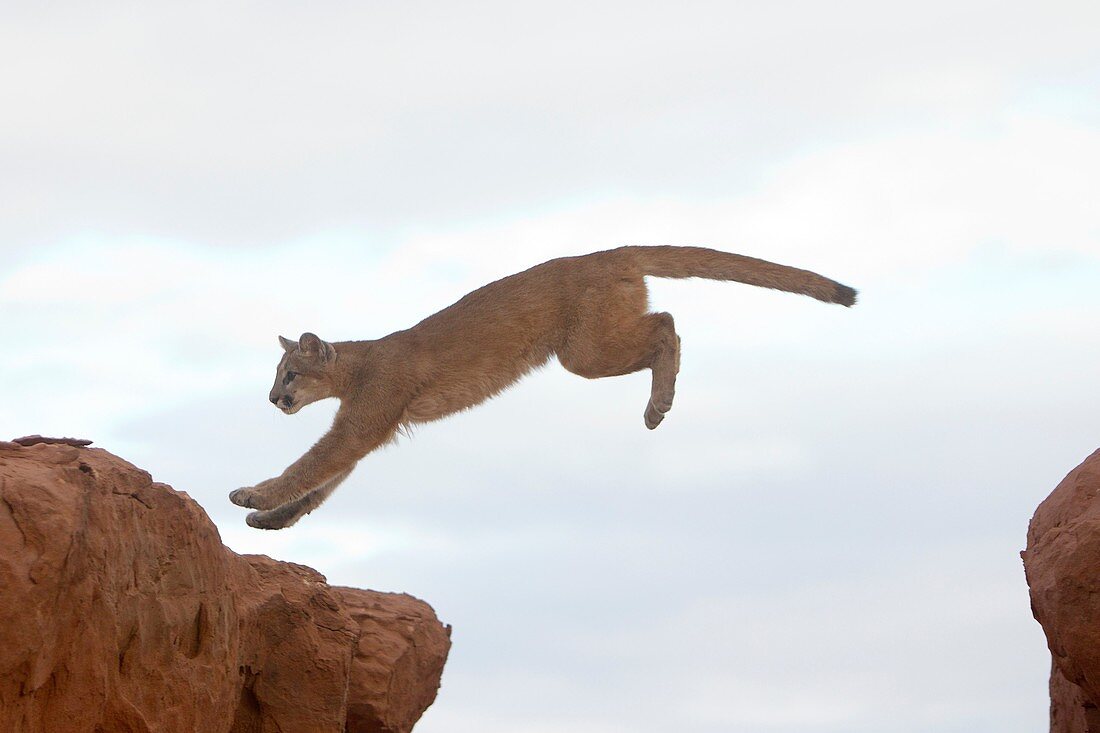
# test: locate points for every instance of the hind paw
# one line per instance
(653, 416)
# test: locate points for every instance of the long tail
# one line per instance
(665, 261)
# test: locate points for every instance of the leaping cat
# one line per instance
(589, 311)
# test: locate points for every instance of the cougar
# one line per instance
(590, 311)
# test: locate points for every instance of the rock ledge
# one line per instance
(122, 612)
(1062, 564)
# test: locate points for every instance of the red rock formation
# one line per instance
(1062, 564)
(122, 612)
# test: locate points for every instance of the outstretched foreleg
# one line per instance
(335, 454)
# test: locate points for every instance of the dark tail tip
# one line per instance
(844, 295)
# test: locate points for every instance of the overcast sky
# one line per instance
(822, 537)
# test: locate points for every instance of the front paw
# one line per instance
(266, 520)
(249, 498)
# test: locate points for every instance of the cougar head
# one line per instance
(304, 374)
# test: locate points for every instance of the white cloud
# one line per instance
(232, 123)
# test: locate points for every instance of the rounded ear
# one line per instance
(310, 344)
(287, 344)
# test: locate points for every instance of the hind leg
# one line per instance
(665, 366)
(613, 335)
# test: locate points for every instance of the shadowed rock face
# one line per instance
(1062, 564)
(122, 612)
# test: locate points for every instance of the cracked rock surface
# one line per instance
(122, 612)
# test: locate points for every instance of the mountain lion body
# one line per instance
(589, 311)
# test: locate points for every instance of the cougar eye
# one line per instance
(289, 376)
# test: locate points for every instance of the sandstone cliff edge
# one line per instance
(1062, 564)
(122, 612)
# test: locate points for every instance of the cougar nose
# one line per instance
(274, 400)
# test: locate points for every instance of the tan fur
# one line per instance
(589, 311)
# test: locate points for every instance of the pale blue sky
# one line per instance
(822, 537)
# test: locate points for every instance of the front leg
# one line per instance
(288, 514)
(335, 453)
